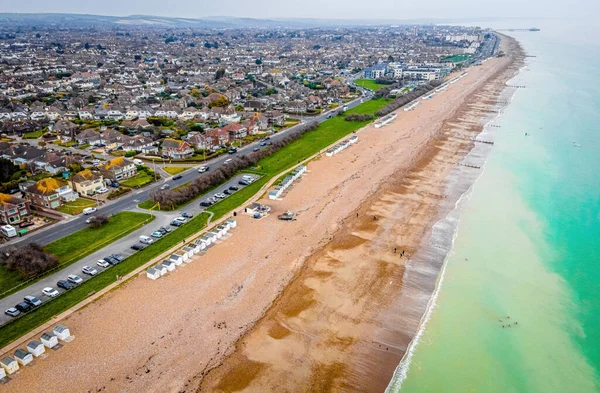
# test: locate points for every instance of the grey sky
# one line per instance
(364, 9)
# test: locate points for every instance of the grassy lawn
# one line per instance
(88, 240)
(139, 180)
(286, 158)
(369, 84)
(76, 206)
(32, 135)
(20, 326)
(173, 170)
(455, 58)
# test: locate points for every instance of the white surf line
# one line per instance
(401, 371)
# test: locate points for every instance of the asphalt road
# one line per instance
(121, 246)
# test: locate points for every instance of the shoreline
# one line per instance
(255, 381)
(400, 374)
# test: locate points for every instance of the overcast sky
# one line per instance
(363, 9)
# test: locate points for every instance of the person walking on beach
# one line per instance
(394, 250)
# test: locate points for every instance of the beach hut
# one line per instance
(223, 228)
(170, 266)
(226, 225)
(2, 374)
(188, 251)
(201, 244)
(9, 365)
(36, 348)
(213, 236)
(152, 273)
(176, 259)
(49, 339)
(62, 332)
(206, 240)
(161, 269)
(232, 223)
(23, 357)
(194, 247)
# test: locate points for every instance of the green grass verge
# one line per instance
(76, 206)
(173, 170)
(139, 180)
(369, 84)
(88, 240)
(20, 326)
(287, 158)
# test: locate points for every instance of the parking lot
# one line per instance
(121, 246)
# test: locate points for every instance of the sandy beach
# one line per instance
(309, 305)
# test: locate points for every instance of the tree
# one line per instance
(28, 260)
(75, 167)
(220, 102)
(98, 221)
(220, 73)
(390, 58)
(86, 45)
(258, 61)
(7, 169)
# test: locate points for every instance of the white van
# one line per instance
(146, 239)
(89, 210)
(8, 230)
(137, 161)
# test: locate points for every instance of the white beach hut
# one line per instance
(10, 365)
(223, 229)
(189, 251)
(2, 373)
(23, 357)
(206, 240)
(213, 236)
(177, 259)
(49, 339)
(36, 348)
(194, 247)
(170, 266)
(201, 244)
(232, 223)
(161, 269)
(226, 225)
(62, 332)
(152, 273)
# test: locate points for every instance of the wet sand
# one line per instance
(287, 306)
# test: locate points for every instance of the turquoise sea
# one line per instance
(528, 240)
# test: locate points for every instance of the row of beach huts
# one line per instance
(35, 348)
(342, 146)
(287, 182)
(185, 254)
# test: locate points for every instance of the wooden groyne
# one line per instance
(470, 166)
(517, 86)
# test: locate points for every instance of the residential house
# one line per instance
(216, 137)
(235, 130)
(118, 169)
(87, 182)
(44, 193)
(176, 149)
(12, 209)
(89, 137)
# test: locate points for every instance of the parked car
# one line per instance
(74, 279)
(205, 204)
(120, 258)
(89, 210)
(165, 229)
(203, 169)
(111, 260)
(176, 223)
(227, 161)
(102, 190)
(23, 307)
(177, 177)
(32, 301)
(181, 219)
(263, 143)
(90, 220)
(187, 215)
(146, 239)
(243, 182)
(64, 284)
(26, 224)
(115, 184)
(227, 192)
(102, 263)
(256, 149)
(164, 187)
(234, 188)
(137, 247)
(89, 270)
(157, 234)
(220, 195)
(50, 292)
(233, 150)
(13, 312)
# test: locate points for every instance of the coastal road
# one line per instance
(128, 201)
(121, 246)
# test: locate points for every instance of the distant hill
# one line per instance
(219, 22)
